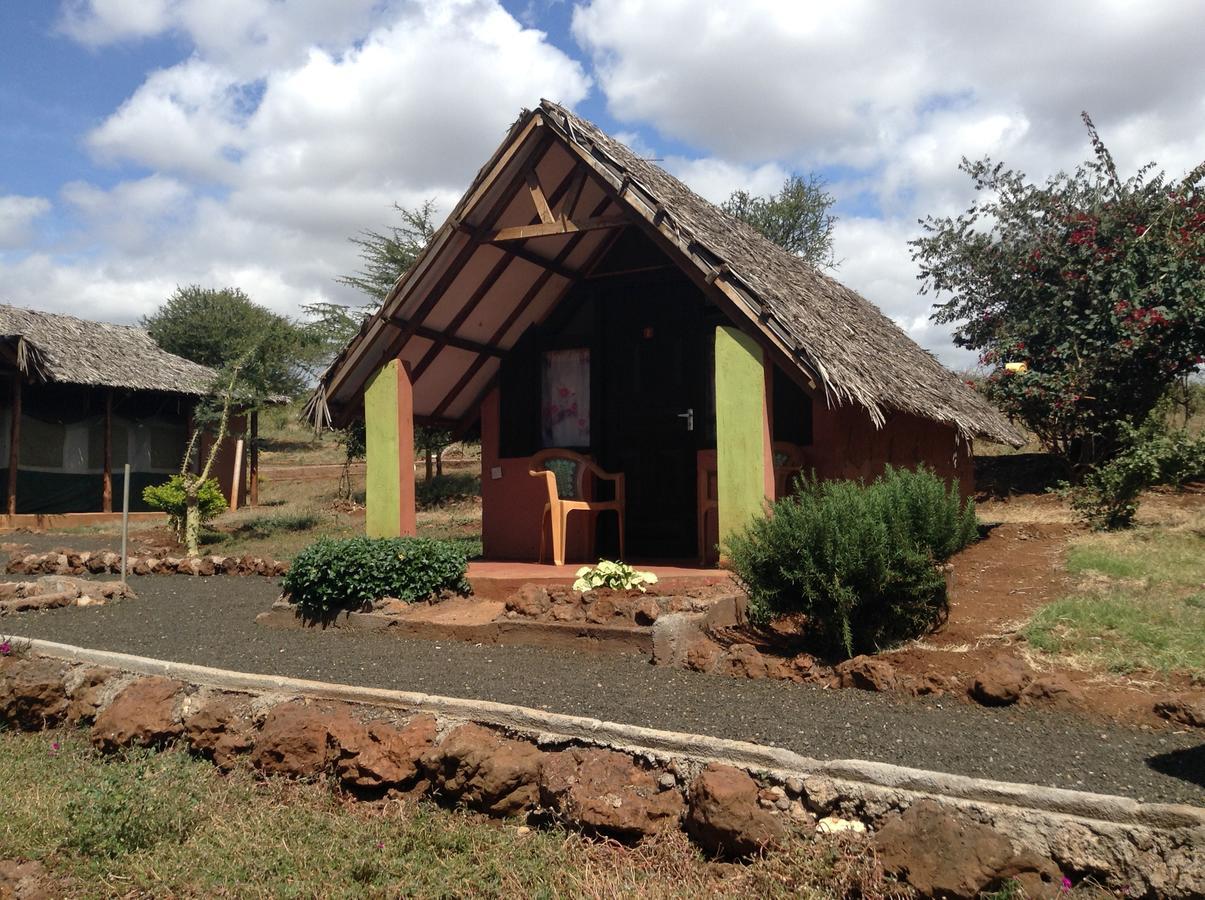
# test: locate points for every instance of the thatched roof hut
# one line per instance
(54, 348)
(839, 341)
(85, 398)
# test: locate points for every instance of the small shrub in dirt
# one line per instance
(333, 575)
(169, 498)
(266, 526)
(858, 561)
(447, 490)
(1106, 496)
(148, 799)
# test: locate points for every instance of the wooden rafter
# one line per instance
(520, 308)
(444, 339)
(549, 229)
(575, 192)
(552, 265)
(476, 297)
(394, 347)
(543, 210)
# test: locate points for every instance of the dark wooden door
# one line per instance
(652, 369)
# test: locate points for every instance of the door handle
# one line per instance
(689, 416)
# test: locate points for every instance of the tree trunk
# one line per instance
(439, 461)
(430, 463)
(192, 522)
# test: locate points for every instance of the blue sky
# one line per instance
(149, 143)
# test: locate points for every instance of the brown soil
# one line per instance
(998, 584)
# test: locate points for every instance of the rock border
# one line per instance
(107, 562)
(57, 591)
(1151, 849)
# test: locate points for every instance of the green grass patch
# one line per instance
(1172, 558)
(1139, 606)
(1125, 631)
(169, 825)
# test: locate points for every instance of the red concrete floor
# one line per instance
(498, 579)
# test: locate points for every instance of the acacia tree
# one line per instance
(193, 483)
(219, 327)
(798, 218)
(385, 255)
(1092, 286)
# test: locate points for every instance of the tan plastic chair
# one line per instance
(564, 474)
(789, 461)
(707, 499)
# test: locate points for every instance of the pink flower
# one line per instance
(1066, 884)
(5, 648)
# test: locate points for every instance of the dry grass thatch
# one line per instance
(840, 341)
(860, 355)
(63, 349)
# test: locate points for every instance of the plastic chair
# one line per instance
(707, 497)
(789, 461)
(564, 474)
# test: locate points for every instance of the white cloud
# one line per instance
(888, 97)
(289, 128)
(17, 215)
(716, 179)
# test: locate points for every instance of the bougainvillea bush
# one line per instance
(332, 575)
(1094, 285)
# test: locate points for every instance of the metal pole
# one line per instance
(125, 523)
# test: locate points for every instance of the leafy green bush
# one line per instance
(277, 523)
(332, 575)
(615, 575)
(1107, 494)
(132, 807)
(169, 497)
(446, 490)
(858, 561)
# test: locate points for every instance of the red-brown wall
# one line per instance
(846, 444)
(512, 502)
(223, 465)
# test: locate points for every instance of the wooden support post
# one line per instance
(253, 461)
(14, 445)
(106, 491)
(389, 451)
(740, 420)
(236, 477)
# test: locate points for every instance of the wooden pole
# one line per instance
(253, 459)
(125, 525)
(14, 445)
(236, 478)
(106, 494)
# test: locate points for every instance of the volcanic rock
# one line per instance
(724, 817)
(606, 792)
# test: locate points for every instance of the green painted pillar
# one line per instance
(740, 426)
(389, 453)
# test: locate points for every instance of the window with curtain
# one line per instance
(565, 398)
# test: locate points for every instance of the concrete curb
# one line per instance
(549, 727)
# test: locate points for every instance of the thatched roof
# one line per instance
(840, 342)
(63, 349)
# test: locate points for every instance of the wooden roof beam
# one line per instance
(559, 227)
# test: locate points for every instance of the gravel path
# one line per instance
(211, 622)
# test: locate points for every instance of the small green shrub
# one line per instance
(266, 526)
(1107, 495)
(858, 561)
(447, 490)
(146, 800)
(615, 575)
(332, 575)
(169, 498)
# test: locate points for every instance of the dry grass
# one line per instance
(1140, 603)
(241, 836)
